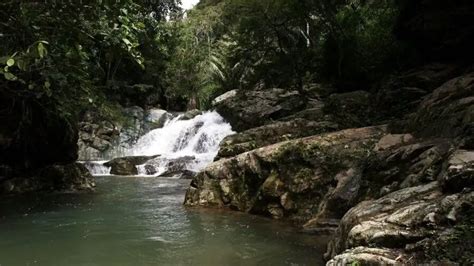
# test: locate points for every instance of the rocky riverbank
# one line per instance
(390, 174)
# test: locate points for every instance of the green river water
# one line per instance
(141, 221)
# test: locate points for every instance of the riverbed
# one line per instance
(141, 221)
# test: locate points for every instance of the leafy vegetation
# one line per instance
(103, 55)
(70, 56)
(244, 44)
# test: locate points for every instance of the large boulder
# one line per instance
(400, 95)
(404, 164)
(272, 133)
(156, 118)
(127, 165)
(248, 109)
(412, 222)
(288, 179)
(448, 111)
(173, 166)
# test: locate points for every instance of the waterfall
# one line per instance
(97, 167)
(193, 142)
(182, 145)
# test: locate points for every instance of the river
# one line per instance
(141, 221)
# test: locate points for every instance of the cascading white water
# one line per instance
(97, 167)
(197, 139)
(185, 144)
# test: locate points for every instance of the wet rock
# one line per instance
(150, 169)
(287, 179)
(191, 114)
(179, 164)
(248, 109)
(127, 165)
(184, 174)
(173, 166)
(156, 118)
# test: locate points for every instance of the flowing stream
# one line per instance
(141, 221)
(195, 140)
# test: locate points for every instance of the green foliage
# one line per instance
(244, 44)
(364, 47)
(68, 55)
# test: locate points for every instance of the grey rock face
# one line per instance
(247, 109)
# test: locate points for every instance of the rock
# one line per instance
(318, 90)
(191, 114)
(150, 169)
(400, 221)
(63, 178)
(179, 164)
(173, 166)
(224, 97)
(369, 256)
(184, 174)
(248, 109)
(273, 186)
(269, 134)
(101, 145)
(156, 118)
(351, 109)
(127, 165)
(288, 179)
(135, 112)
(392, 141)
(459, 172)
(411, 164)
(337, 201)
(448, 111)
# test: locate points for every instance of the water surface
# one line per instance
(141, 221)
